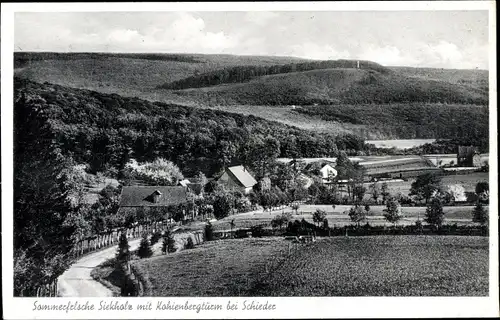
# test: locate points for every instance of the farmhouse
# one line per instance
(238, 178)
(324, 168)
(146, 198)
(468, 156)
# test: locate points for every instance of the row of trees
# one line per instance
(245, 73)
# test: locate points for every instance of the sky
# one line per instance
(438, 39)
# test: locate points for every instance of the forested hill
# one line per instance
(105, 130)
(245, 73)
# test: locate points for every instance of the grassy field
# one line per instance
(341, 266)
(384, 266)
(339, 217)
(400, 144)
(219, 268)
(468, 181)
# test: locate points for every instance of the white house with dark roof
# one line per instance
(237, 178)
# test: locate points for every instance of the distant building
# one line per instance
(328, 172)
(325, 169)
(238, 178)
(148, 197)
(468, 156)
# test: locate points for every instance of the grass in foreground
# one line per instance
(219, 268)
(352, 266)
(384, 266)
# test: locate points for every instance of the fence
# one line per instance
(102, 241)
(108, 239)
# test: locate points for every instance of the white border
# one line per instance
(362, 307)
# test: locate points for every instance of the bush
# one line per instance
(155, 238)
(123, 253)
(189, 243)
(257, 231)
(209, 232)
(145, 248)
(168, 244)
(479, 214)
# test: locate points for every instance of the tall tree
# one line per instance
(392, 212)
(123, 252)
(44, 198)
(434, 214)
(425, 186)
(480, 214)
(144, 250)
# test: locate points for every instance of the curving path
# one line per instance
(77, 282)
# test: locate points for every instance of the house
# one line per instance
(152, 197)
(237, 178)
(327, 172)
(468, 156)
(193, 185)
(323, 168)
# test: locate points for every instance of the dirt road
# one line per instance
(77, 282)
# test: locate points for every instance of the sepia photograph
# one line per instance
(279, 153)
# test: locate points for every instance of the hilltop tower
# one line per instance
(357, 67)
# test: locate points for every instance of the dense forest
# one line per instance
(105, 131)
(467, 124)
(245, 73)
(23, 58)
(336, 87)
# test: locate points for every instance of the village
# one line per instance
(394, 172)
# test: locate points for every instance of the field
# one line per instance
(219, 268)
(400, 144)
(339, 217)
(384, 266)
(341, 266)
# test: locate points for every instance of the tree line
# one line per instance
(246, 73)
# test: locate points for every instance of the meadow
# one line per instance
(383, 266)
(216, 268)
(338, 217)
(340, 266)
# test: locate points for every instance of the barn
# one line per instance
(149, 198)
(237, 178)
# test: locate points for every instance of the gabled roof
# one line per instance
(184, 182)
(242, 176)
(466, 151)
(141, 196)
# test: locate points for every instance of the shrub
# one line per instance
(168, 244)
(155, 238)
(479, 214)
(257, 231)
(319, 216)
(325, 224)
(189, 243)
(123, 253)
(145, 248)
(209, 232)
